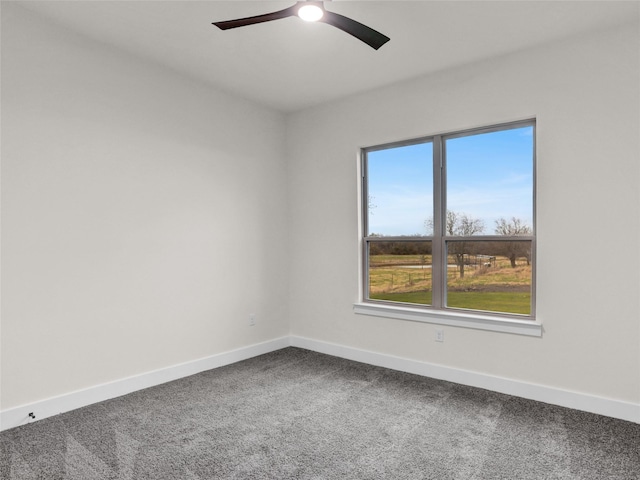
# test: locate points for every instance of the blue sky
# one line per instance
(489, 176)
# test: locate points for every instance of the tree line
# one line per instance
(463, 225)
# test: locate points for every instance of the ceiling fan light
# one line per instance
(310, 13)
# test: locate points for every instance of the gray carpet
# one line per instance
(296, 414)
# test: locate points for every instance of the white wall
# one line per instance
(585, 94)
(143, 215)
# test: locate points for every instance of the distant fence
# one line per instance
(479, 260)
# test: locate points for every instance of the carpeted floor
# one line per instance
(296, 414)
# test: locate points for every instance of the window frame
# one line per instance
(438, 312)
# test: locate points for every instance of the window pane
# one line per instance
(493, 276)
(400, 271)
(489, 179)
(400, 190)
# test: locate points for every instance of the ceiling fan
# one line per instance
(311, 11)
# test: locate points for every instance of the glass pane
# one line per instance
(400, 271)
(400, 190)
(493, 276)
(490, 181)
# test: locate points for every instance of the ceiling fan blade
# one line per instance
(267, 17)
(368, 35)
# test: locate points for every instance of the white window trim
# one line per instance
(450, 318)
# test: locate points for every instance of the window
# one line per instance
(449, 223)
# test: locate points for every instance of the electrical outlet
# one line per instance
(252, 319)
(439, 335)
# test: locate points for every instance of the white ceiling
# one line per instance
(289, 64)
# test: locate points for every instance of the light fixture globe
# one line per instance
(310, 13)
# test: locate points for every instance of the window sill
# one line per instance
(454, 319)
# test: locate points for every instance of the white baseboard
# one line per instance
(81, 398)
(52, 406)
(564, 398)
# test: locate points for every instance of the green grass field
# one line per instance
(508, 302)
(497, 288)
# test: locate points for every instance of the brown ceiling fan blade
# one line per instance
(368, 35)
(267, 17)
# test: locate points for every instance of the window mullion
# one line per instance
(438, 255)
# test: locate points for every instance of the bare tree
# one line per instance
(514, 228)
(461, 225)
(370, 204)
(458, 225)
